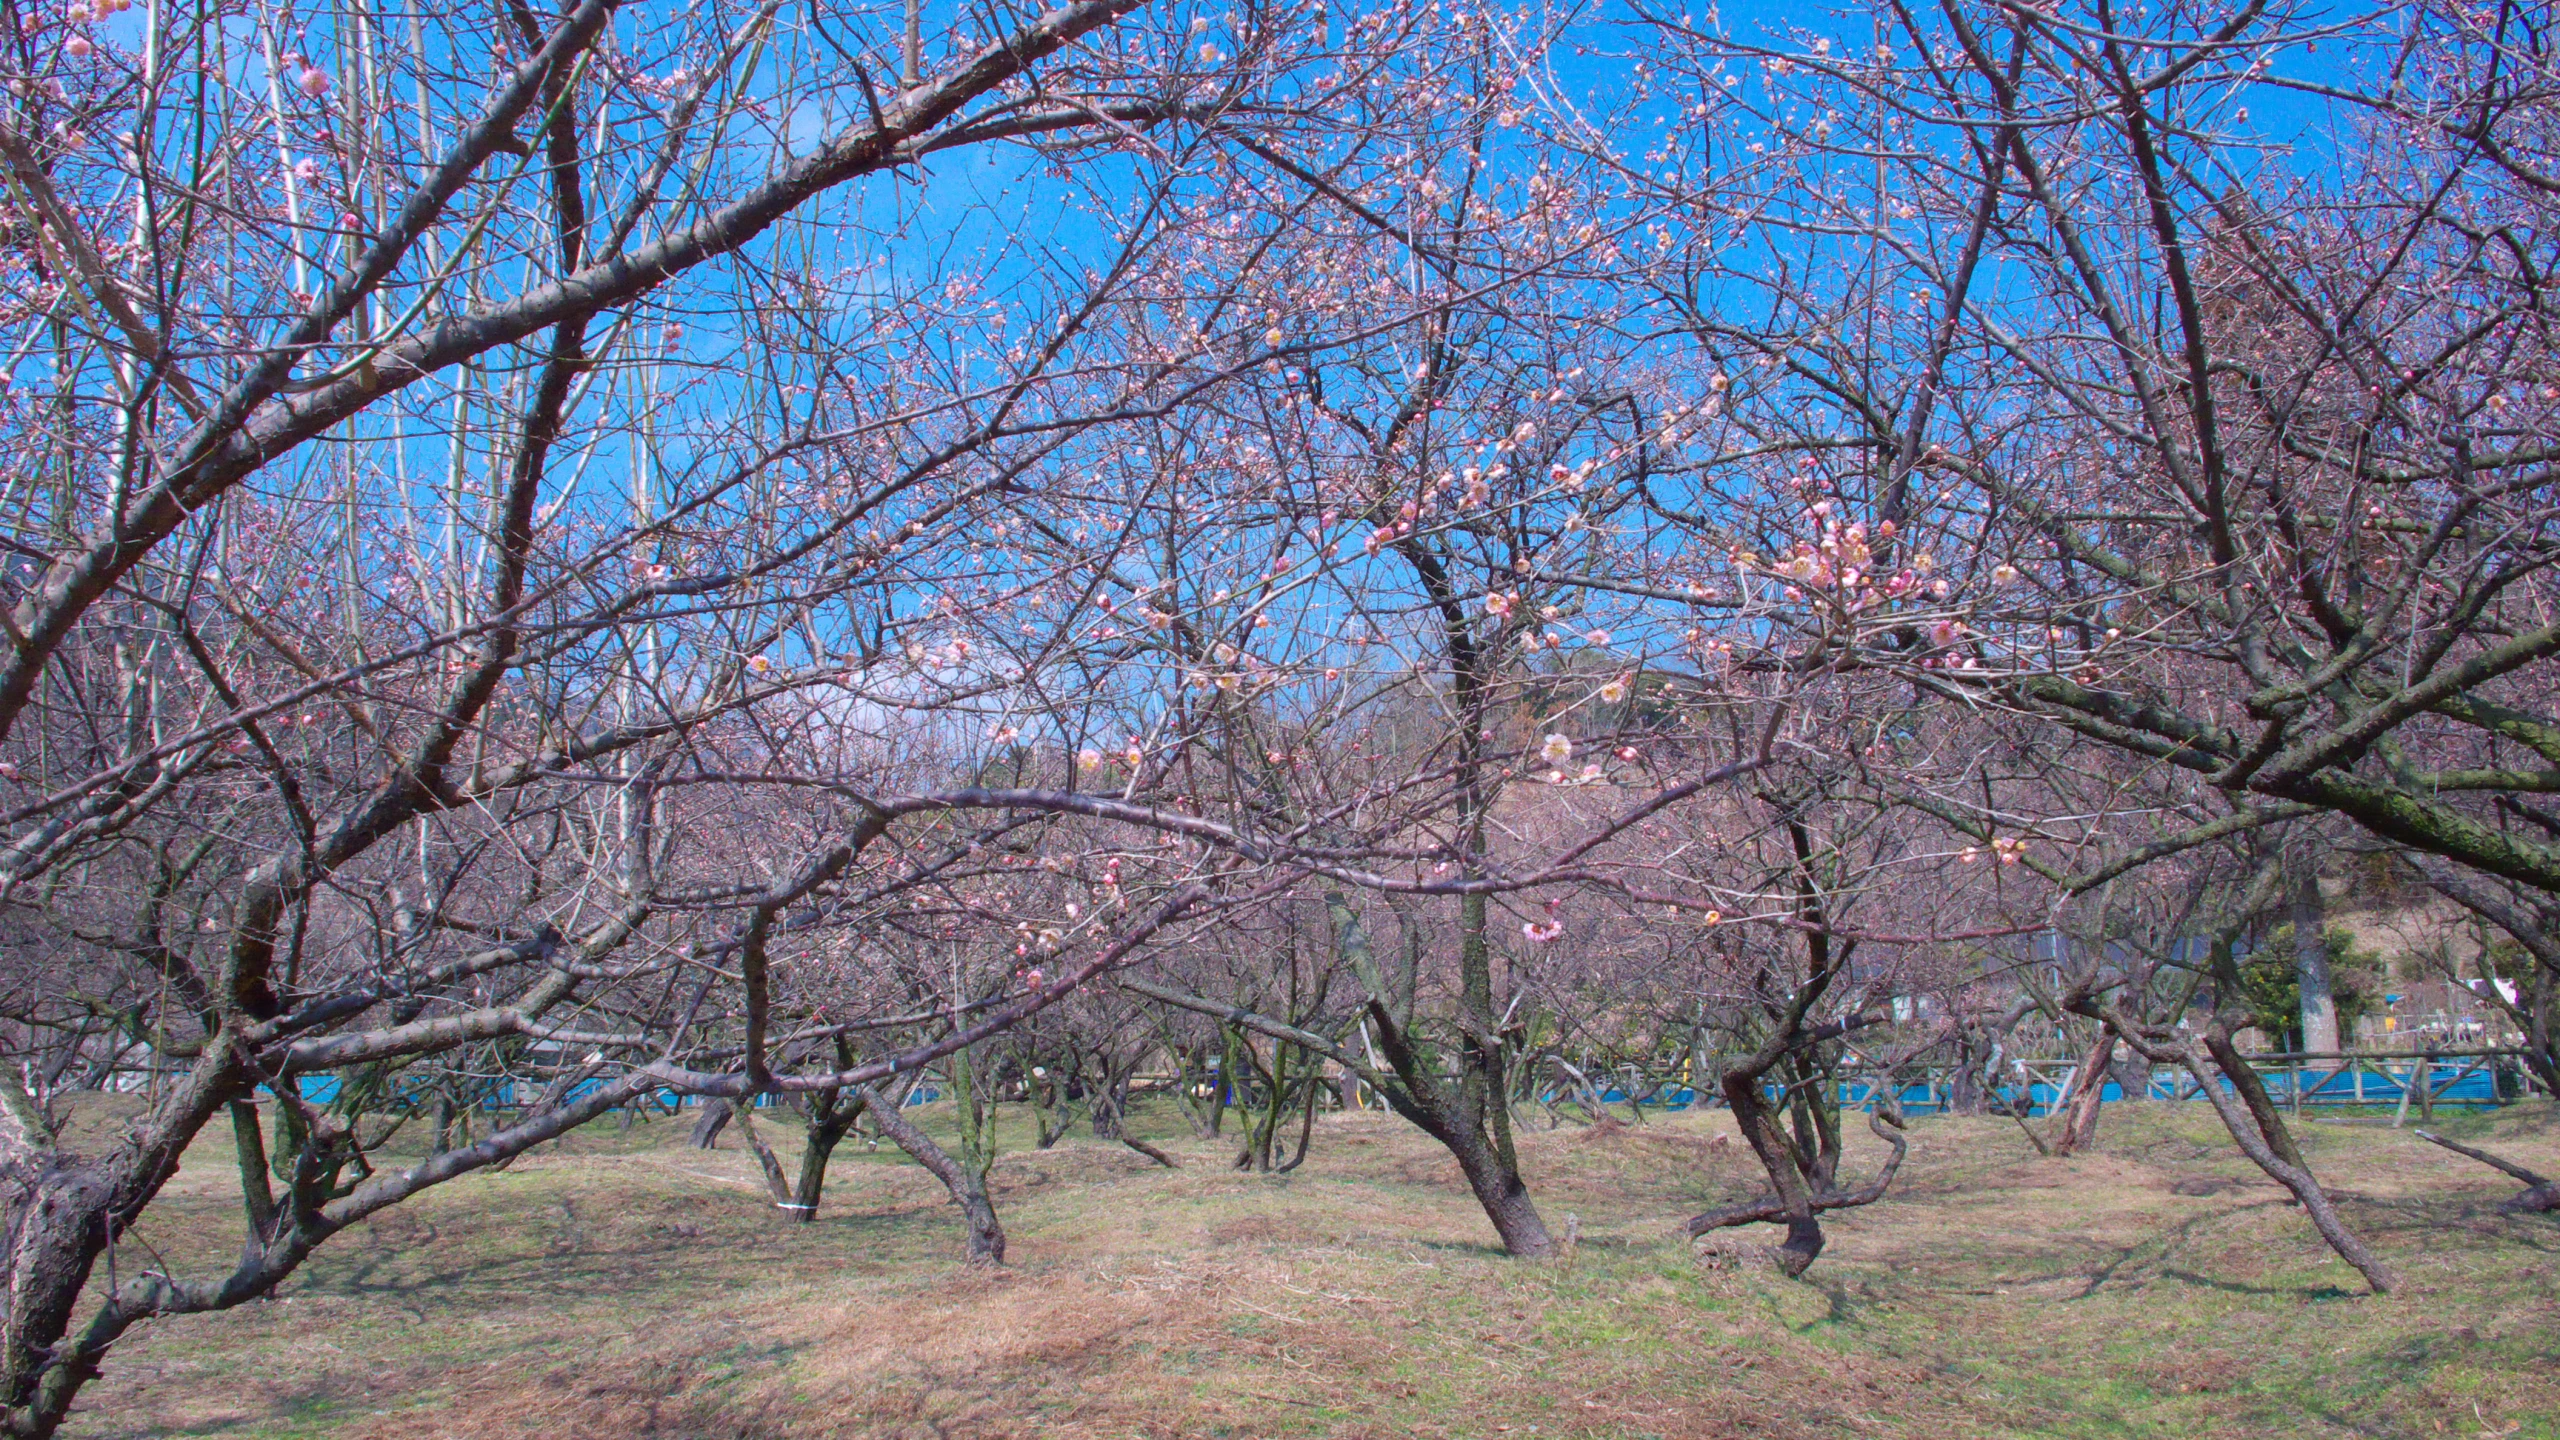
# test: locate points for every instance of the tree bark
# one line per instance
(2311, 957)
(1313, 1086)
(1504, 1196)
(444, 1116)
(2252, 1092)
(831, 1118)
(1796, 1206)
(968, 1189)
(1768, 1141)
(1150, 1151)
(714, 1119)
(2079, 1126)
(1413, 1090)
(2132, 1075)
(2290, 1172)
(1974, 1053)
(1458, 1121)
(1801, 1167)
(775, 1184)
(61, 1213)
(2540, 1194)
(2270, 1149)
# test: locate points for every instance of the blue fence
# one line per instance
(2467, 1084)
(2464, 1082)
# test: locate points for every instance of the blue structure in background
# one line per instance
(2448, 1082)
(2462, 1081)
(2466, 1081)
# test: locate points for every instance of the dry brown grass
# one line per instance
(624, 1286)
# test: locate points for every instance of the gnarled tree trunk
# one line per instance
(2079, 1127)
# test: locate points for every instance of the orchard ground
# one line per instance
(621, 1284)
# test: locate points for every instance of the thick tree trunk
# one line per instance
(444, 1113)
(1768, 1140)
(986, 1234)
(2132, 1075)
(257, 1195)
(714, 1119)
(1110, 1098)
(831, 1117)
(1802, 1168)
(811, 1183)
(61, 1212)
(2311, 958)
(1264, 1121)
(1408, 1082)
(1504, 1196)
(1965, 1090)
(1484, 1157)
(2079, 1126)
(55, 1222)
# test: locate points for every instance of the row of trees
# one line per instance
(749, 552)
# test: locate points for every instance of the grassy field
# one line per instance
(623, 1285)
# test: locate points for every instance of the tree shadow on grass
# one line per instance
(643, 1396)
(2160, 1246)
(2235, 1287)
(1843, 1305)
(632, 1265)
